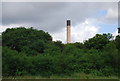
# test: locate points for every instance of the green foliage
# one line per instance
(98, 41)
(34, 48)
(117, 42)
(0, 40)
(17, 38)
(78, 45)
(59, 44)
(52, 49)
(111, 54)
(32, 52)
(13, 63)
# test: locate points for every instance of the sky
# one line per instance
(87, 18)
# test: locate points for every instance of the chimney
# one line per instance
(119, 31)
(68, 31)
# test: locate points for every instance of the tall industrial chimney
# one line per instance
(119, 31)
(68, 31)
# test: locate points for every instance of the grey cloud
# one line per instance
(49, 16)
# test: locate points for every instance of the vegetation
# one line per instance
(31, 52)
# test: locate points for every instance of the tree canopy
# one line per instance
(25, 39)
(28, 51)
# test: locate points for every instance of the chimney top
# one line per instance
(68, 22)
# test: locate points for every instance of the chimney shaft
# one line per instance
(68, 31)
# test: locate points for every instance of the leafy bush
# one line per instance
(32, 52)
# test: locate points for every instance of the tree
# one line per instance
(27, 51)
(0, 40)
(117, 42)
(59, 44)
(52, 49)
(17, 38)
(35, 48)
(78, 45)
(98, 41)
(111, 54)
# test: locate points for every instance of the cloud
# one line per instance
(111, 17)
(3, 28)
(112, 14)
(79, 33)
(61, 35)
(84, 31)
(115, 34)
(51, 17)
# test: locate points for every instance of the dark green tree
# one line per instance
(98, 41)
(59, 44)
(18, 38)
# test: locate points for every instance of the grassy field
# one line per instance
(74, 76)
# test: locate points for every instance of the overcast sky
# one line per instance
(88, 18)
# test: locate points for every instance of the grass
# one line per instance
(74, 76)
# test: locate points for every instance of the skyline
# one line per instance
(88, 18)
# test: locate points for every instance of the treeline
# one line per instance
(28, 51)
